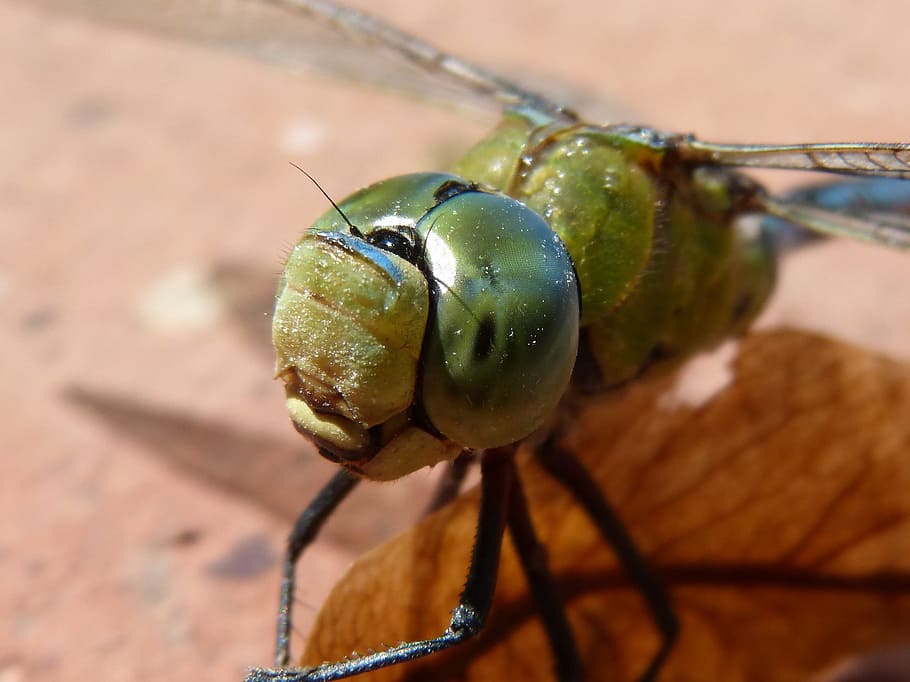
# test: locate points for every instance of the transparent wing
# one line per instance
(876, 209)
(889, 229)
(869, 159)
(315, 35)
(883, 222)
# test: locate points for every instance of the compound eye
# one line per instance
(503, 330)
(392, 241)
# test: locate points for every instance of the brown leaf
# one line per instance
(777, 514)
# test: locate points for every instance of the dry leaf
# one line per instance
(777, 514)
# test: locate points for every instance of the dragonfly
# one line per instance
(349, 228)
(411, 330)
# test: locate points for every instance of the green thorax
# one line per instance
(664, 267)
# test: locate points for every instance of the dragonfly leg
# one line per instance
(533, 558)
(569, 471)
(450, 484)
(498, 474)
(304, 532)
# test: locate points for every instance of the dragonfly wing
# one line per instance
(861, 159)
(882, 223)
(889, 229)
(850, 207)
(316, 35)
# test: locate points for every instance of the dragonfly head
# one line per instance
(422, 318)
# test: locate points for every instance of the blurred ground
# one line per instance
(148, 471)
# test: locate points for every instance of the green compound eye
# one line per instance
(503, 330)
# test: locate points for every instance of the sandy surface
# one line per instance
(148, 471)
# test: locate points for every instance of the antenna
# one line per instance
(354, 230)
